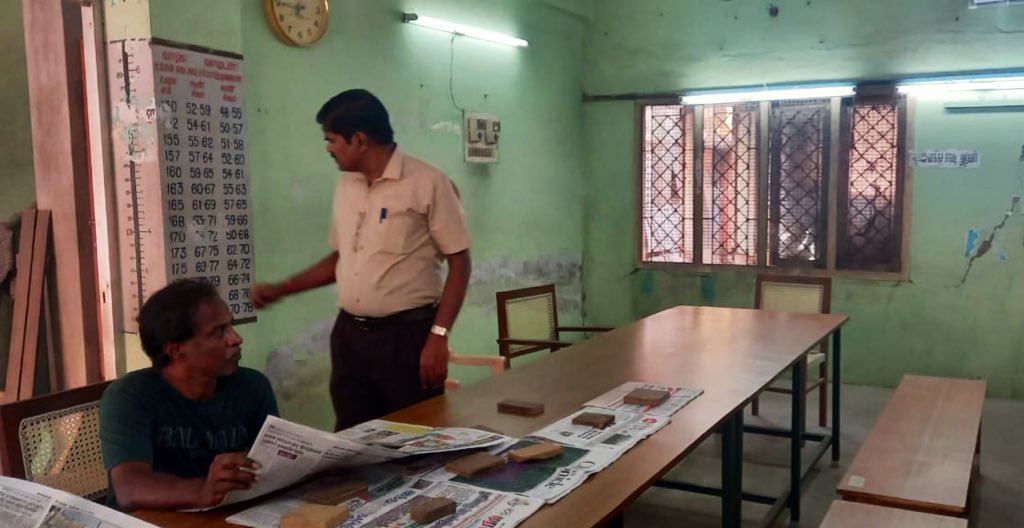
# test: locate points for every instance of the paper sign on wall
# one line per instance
(948, 159)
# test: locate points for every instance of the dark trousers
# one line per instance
(375, 367)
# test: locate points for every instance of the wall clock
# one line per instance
(297, 22)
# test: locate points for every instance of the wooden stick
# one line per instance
(22, 267)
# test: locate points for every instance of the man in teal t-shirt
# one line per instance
(175, 435)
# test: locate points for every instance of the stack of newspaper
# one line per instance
(25, 504)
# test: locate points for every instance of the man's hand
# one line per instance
(265, 294)
(434, 362)
(228, 472)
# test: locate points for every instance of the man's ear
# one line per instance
(175, 352)
(360, 139)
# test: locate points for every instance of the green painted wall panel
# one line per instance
(16, 172)
(525, 213)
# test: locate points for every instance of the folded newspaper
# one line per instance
(677, 399)
(25, 504)
(289, 452)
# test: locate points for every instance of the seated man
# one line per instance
(175, 435)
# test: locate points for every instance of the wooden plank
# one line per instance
(53, 36)
(920, 453)
(844, 514)
(731, 353)
(23, 267)
(30, 352)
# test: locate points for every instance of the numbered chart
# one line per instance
(204, 171)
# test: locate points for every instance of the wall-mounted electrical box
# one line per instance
(482, 131)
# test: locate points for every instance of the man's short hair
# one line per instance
(168, 316)
(357, 110)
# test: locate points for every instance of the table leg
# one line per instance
(836, 382)
(796, 439)
(732, 469)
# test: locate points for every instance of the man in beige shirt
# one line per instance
(394, 218)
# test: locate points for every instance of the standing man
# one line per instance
(394, 219)
(175, 435)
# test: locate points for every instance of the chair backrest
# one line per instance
(527, 313)
(784, 293)
(55, 440)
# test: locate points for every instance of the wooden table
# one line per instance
(731, 353)
(844, 514)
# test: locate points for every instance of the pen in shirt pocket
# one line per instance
(383, 214)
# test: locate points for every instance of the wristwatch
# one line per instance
(439, 331)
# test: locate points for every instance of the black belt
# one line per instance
(405, 316)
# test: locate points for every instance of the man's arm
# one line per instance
(319, 274)
(434, 357)
(137, 486)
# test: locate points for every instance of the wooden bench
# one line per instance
(922, 454)
(844, 514)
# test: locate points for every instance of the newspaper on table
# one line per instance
(289, 452)
(677, 399)
(548, 480)
(627, 431)
(416, 439)
(477, 508)
(25, 504)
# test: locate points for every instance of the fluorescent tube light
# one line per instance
(459, 29)
(961, 84)
(768, 93)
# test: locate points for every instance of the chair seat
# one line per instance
(813, 360)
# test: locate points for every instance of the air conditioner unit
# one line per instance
(482, 132)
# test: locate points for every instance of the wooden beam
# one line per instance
(40, 247)
(22, 267)
(53, 36)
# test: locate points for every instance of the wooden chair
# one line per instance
(55, 440)
(782, 293)
(495, 363)
(528, 322)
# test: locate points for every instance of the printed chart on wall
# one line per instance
(181, 171)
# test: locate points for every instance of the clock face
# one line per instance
(297, 22)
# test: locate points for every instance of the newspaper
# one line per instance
(477, 508)
(380, 480)
(628, 430)
(417, 439)
(25, 504)
(289, 452)
(548, 480)
(678, 398)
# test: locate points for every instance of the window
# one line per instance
(754, 184)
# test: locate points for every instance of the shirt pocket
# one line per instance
(401, 232)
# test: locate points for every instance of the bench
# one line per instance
(845, 514)
(922, 454)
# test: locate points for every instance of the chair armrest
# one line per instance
(585, 328)
(495, 363)
(554, 345)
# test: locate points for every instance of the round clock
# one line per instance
(297, 22)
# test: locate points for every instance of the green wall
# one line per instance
(525, 214)
(16, 175)
(17, 180)
(930, 324)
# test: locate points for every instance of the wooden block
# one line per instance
(650, 397)
(520, 407)
(432, 510)
(470, 466)
(334, 491)
(541, 451)
(314, 516)
(592, 419)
